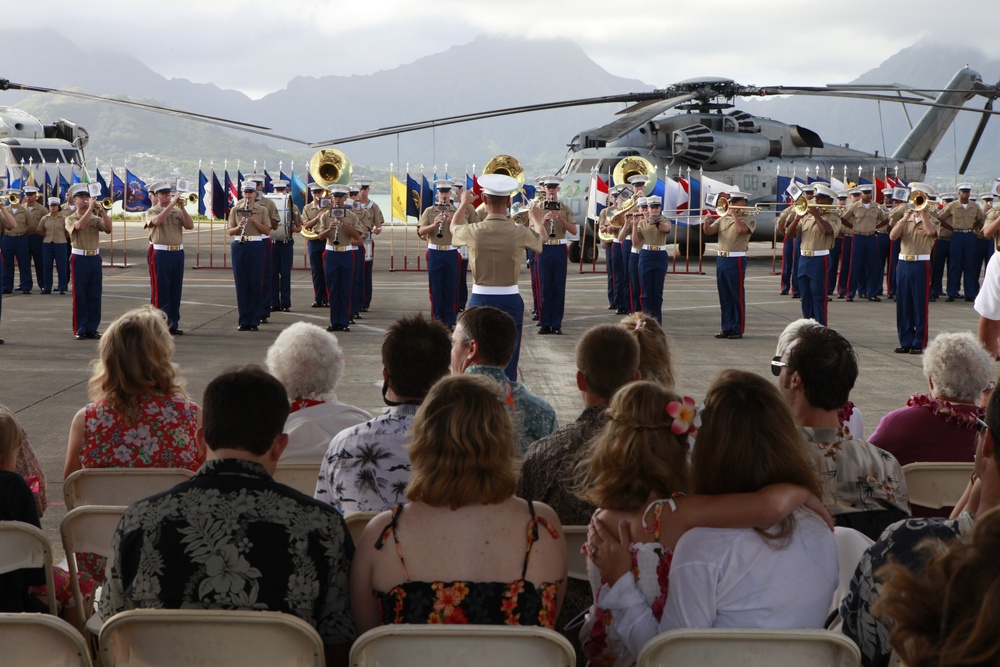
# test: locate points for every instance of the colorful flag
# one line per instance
(48, 186)
(398, 198)
(117, 188)
(231, 195)
(427, 195)
(299, 190)
(136, 195)
(268, 185)
(103, 183)
(219, 199)
(204, 192)
(597, 196)
(239, 180)
(412, 197)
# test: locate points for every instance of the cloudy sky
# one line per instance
(767, 42)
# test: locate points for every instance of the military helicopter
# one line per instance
(732, 147)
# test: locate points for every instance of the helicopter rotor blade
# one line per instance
(620, 127)
(976, 136)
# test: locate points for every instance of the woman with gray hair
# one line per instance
(309, 362)
(941, 425)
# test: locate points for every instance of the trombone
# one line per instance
(724, 207)
(802, 205)
(917, 201)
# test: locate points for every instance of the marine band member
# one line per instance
(817, 229)
(864, 218)
(375, 222)
(553, 262)
(915, 231)
(311, 214)
(250, 222)
(734, 230)
(338, 228)
(961, 218)
(443, 261)
(166, 221)
(55, 247)
(283, 250)
(85, 225)
(651, 236)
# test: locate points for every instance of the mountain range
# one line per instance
(459, 80)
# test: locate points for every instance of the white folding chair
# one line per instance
(300, 476)
(119, 486)
(716, 647)
(576, 537)
(41, 640)
(851, 546)
(173, 637)
(936, 484)
(88, 529)
(25, 546)
(356, 523)
(461, 645)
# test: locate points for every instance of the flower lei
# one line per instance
(686, 416)
(946, 409)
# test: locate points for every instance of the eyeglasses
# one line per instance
(777, 364)
(982, 426)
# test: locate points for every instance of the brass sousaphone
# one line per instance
(507, 165)
(328, 167)
(624, 170)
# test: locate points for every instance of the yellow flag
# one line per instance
(398, 198)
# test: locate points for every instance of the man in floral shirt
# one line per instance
(231, 537)
(863, 486)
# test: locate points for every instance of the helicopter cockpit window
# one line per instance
(51, 155)
(71, 156)
(25, 155)
(587, 165)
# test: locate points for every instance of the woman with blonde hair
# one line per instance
(465, 549)
(139, 415)
(637, 473)
(656, 362)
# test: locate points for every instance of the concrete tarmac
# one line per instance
(45, 369)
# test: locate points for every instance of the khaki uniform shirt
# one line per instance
(88, 238)
(865, 220)
(785, 219)
(481, 212)
(730, 238)
(326, 220)
(650, 234)
(990, 217)
(171, 232)
(20, 221)
(374, 214)
(961, 219)
(258, 213)
(54, 227)
(495, 249)
(428, 217)
(897, 214)
(915, 240)
(814, 237)
(35, 214)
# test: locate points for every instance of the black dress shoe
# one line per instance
(316, 304)
(544, 331)
(275, 309)
(7, 291)
(1, 341)
(62, 291)
(969, 300)
(357, 316)
(333, 328)
(611, 307)
(365, 310)
(264, 320)
(722, 334)
(902, 350)
(176, 332)
(892, 297)
(916, 350)
(933, 298)
(286, 309)
(796, 296)
(840, 296)
(254, 327)
(26, 291)
(46, 291)
(784, 292)
(80, 336)
(850, 299)
(950, 299)
(734, 335)
(93, 335)
(534, 317)
(243, 327)
(621, 311)
(557, 331)
(345, 328)
(874, 298)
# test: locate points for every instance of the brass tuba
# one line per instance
(506, 166)
(328, 167)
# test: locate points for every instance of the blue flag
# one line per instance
(63, 187)
(117, 188)
(76, 177)
(48, 187)
(268, 185)
(136, 195)
(298, 190)
(428, 196)
(104, 185)
(239, 180)
(218, 199)
(412, 197)
(202, 188)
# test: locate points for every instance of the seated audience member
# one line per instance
(482, 344)
(947, 614)
(310, 362)
(465, 549)
(940, 425)
(366, 467)
(231, 537)
(637, 472)
(863, 486)
(27, 466)
(848, 415)
(656, 363)
(899, 545)
(139, 415)
(607, 357)
(24, 590)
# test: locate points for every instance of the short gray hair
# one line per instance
(958, 366)
(791, 333)
(307, 360)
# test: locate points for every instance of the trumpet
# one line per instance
(917, 201)
(13, 199)
(107, 203)
(187, 198)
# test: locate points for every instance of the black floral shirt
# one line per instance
(233, 538)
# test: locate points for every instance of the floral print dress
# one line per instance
(469, 602)
(602, 646)
(164, 436)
